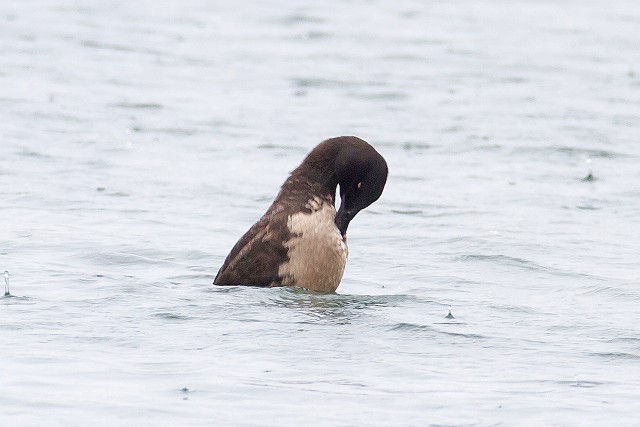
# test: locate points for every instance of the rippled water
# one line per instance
(139, 140)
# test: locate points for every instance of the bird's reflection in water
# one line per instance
(335, 308)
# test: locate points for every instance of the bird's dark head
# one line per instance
(361, 173)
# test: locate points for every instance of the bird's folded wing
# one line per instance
(256, 258)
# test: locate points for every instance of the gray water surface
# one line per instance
(139, 140)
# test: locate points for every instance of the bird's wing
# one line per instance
(256, 257)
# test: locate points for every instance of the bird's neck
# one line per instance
(305, 182)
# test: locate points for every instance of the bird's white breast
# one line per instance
(317, 251)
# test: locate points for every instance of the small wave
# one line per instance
(320, 83)
(577, 152)
(300, 18)
(172, 316)
(616, 355)
(203, 277)
(515, 309)
(33, 154)
(122, 258)
(13, 299)
(404, 326)
(280, 147)
(317, 35)
(224, 289)
(611, 290)
(580, 383)
(386, 96)
(168, 131)
(118, 47)
(409, 146)
(589, 152)
(463, 335)
(138, 105)
(502, 259)
(196, 255)
(317, 82)
(407, 212)
(588, 207)
(118, 194)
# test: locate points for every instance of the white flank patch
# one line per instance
(317, 253)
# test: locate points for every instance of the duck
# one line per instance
(301, 240)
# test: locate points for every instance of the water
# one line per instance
(6, 284)
(139, 140)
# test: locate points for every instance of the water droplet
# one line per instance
(449, 316)
(589, 176)
(6, 283)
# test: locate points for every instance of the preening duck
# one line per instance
(301, 239)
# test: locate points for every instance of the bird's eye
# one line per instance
(359, 186)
